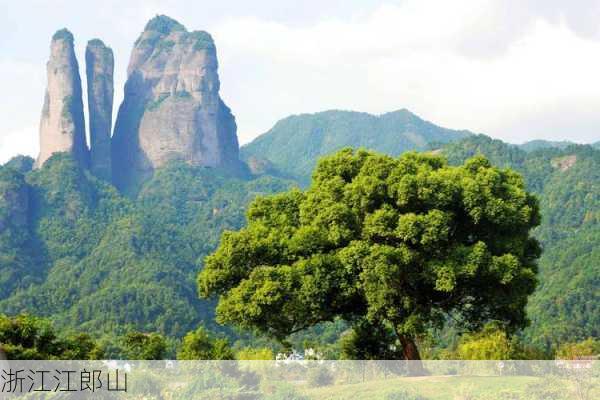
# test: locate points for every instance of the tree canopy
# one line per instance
(564, 307)
(401, 244)
(201, 345)
(75, 250)
(25, 337)
(144, 346)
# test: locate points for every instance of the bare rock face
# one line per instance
(99, 66)
(172, 109)
(62, 127)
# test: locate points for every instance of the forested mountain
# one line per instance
(294, 144)
(75, 249)
(566, 305)
(533, 145)
(565, 176)
(110, 238)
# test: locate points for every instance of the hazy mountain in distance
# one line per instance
(537, 144)
(76, 249)
(295, 143)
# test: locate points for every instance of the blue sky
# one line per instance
(514, 69)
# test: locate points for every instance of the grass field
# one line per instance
(354, 380)
(431, 387)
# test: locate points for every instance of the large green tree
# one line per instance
(400, 243)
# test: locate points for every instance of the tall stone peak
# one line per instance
(163, 24)
(97, 43)
(63, 34)
(172, 109)
(100, 65)
(62, 126)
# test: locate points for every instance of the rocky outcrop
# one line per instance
(564, 163)
(261, 166)
(99, 63)
(62, 127)
(171, 108)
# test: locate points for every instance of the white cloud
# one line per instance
(22, 141)
(514, 69)
(20, 107)
(414, 55)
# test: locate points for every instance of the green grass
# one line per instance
(434, 388)
(291, 384)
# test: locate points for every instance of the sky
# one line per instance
(516, 70)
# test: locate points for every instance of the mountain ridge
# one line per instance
(182, 210)
(75, 248)
(301, 139)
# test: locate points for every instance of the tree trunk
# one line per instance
(409, 348)
(412, 356)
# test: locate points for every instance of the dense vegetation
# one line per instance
(24, 337)
(91, 258)
(17, 266)
(563, 175)
(295, 143)
(76, 251)
(393, 244)
(534, 145)
(566, 306)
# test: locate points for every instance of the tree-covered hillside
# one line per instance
(74, 249)
(391, 245)
(295, 143)
(566, 305)
(17, 265)
(539, 144)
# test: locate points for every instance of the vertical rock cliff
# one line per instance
(99, 66)
(62, 126)
(171, 108)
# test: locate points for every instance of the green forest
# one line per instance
(292, 147)
(86, 272)
(567, 182)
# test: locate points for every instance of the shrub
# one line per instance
(251, 354)
(404, 395)
(201, 345)
(319, 377)
(573, 351)
(491, 343)
(285, 392)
